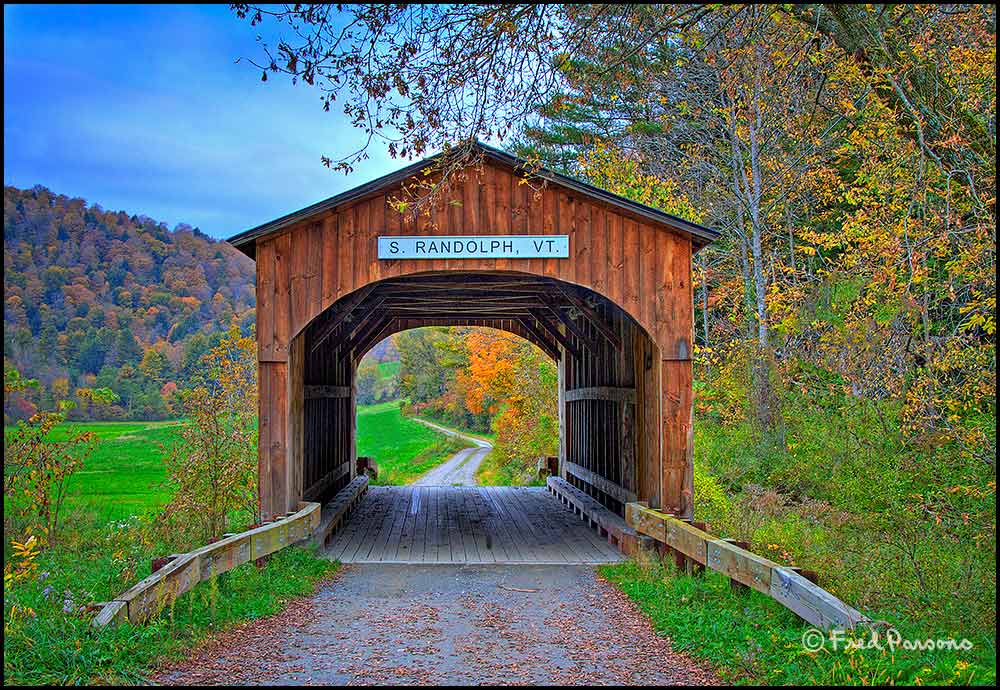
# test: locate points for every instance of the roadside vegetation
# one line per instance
(87, 506)
(752, 640)
(493, 471)
(404, 449)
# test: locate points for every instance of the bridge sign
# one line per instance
(474, 247)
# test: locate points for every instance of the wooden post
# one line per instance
(738, 587)
(296, 420)
(678, 438)
(273, 479)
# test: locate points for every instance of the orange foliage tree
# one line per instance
(516, 383)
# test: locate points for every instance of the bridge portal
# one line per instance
(601, 284)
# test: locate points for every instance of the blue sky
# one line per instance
(144, 109)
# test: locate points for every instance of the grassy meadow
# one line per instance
(124, 476)
(403, 448)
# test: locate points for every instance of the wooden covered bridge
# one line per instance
(601, 284)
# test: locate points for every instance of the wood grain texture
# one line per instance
(445, 524)
(806, 599)
(157, 592)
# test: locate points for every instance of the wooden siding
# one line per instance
(644, 269)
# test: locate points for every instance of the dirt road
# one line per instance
(446, 624)
(460, 468)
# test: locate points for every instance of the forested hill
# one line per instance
(107, 299)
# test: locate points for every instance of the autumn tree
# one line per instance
(516, 384)
(212, 469)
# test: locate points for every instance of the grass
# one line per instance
(123, 475)
(387, 370)
(51, 646)
(751, 639)
(403, 448)
(490, 438)
(493, 472)
(105, 547)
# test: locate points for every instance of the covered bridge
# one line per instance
(599, 283)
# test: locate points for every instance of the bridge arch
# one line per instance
(615, 311)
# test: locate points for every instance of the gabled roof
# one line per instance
(701, 235)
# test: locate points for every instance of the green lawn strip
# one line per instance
(404, 449)
(751, 639)
(50, 646)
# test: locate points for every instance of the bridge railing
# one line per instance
(806, 599)
(183, 571)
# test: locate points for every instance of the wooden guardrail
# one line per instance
(609, 525)
(336, 511)
(806, 599)
(183, 571)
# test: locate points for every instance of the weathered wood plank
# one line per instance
(601, 483)
(811, 602)
(601, 393)
(806, 599)
(153, 594)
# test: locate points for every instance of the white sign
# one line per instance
(474, 247)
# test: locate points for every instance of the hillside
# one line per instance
(103, 298)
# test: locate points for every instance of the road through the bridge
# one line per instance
(384, 624)
(460, 468)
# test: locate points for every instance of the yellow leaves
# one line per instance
(611, 169)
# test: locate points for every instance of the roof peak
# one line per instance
(246, 241)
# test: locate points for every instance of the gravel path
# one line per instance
(460, 468)
(454, 625)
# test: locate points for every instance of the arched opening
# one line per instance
(608, 387)
(457, 406)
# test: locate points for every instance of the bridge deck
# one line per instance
(446, 524)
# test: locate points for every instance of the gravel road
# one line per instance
(460, 468)
(447, 625)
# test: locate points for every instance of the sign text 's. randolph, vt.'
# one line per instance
(474, 247)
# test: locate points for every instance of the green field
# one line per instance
(388, 369)
(403, 448)
(124, 475)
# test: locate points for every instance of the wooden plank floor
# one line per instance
(456, 524)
